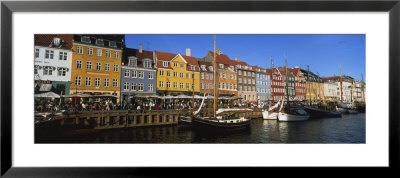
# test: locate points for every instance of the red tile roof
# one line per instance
(47, 39)
(165, 56)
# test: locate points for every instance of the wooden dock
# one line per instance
(126, 119)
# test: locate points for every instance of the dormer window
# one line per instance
(239, 66)
(221, 66)
(203, 67)
(165, 63)
(147, 64)
(86, 39)
(132, 62)
(112, 44)
(99, 42)
(192, 67)
(210, 68)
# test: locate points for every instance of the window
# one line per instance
(161, 84)
(244, 73)
(175, 64)
(36, 52)
(85, 39)
(88, 65)
(211, 77)
(182, 65)
(98, 52)
(134, 87)
(126, 86)
(79, 64)
(116, 55)
(134, 74)
(115, 82)
(78, 80)
(107, 67)
(127, 73)
(151, 75)
(192, 67)
(47, 70)
(151, 87)
(62, 71)
(36, 69)
(49, 54)
(168, 73)
(187, 85)
(141, 74)
(175, 74)
(97, 82)
(168, 84)
(106, 82)
(108, 53)
(202, 76)
(187, 75)
(132, 62)
(63, 56)
(112, 44)
(147, 64)
(79, 50)
(182, 75)
(99, 42)
(165, 63)
(89, 51)
(210, 68)
(140, 87)
(181, 85)
(98, 66)
(88, 81)
(175, 85)
(116, 68)
(221, 66)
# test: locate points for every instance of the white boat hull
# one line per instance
(291, 117)
(270, 115)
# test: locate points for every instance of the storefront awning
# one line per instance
(45, 87)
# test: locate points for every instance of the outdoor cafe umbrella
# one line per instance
(47, 95)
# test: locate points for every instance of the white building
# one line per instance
(52, 63)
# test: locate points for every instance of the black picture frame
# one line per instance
(8, 7)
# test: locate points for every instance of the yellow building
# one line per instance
(96, 64)
(175, 73)
(314, 87)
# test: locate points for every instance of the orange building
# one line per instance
(96, 64)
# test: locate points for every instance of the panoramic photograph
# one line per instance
(199, 88)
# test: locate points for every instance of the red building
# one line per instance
(277, 86)
(206, 77)
(300, 83)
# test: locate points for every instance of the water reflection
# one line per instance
(348, 129)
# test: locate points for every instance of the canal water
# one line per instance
(350, 128)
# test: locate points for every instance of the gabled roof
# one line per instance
(165, 56)
(47, 40)
(129, 52)
(118, 39)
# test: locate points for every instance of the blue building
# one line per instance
(263, 86)
(138, 74)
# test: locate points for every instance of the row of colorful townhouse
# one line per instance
(102, 65)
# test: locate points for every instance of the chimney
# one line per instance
(187, 51)
(296, 67)
(236, 58)
(219, 51)
(140, 48)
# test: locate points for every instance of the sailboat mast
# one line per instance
(309, 87)
(272, 77)
(215, 77)
(193, 93)
(341, 84)
(287, 82)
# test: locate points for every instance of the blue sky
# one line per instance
(323, 53)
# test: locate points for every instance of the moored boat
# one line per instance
(319, 113)
(293, 114)
(271, 113)
(225, 119)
